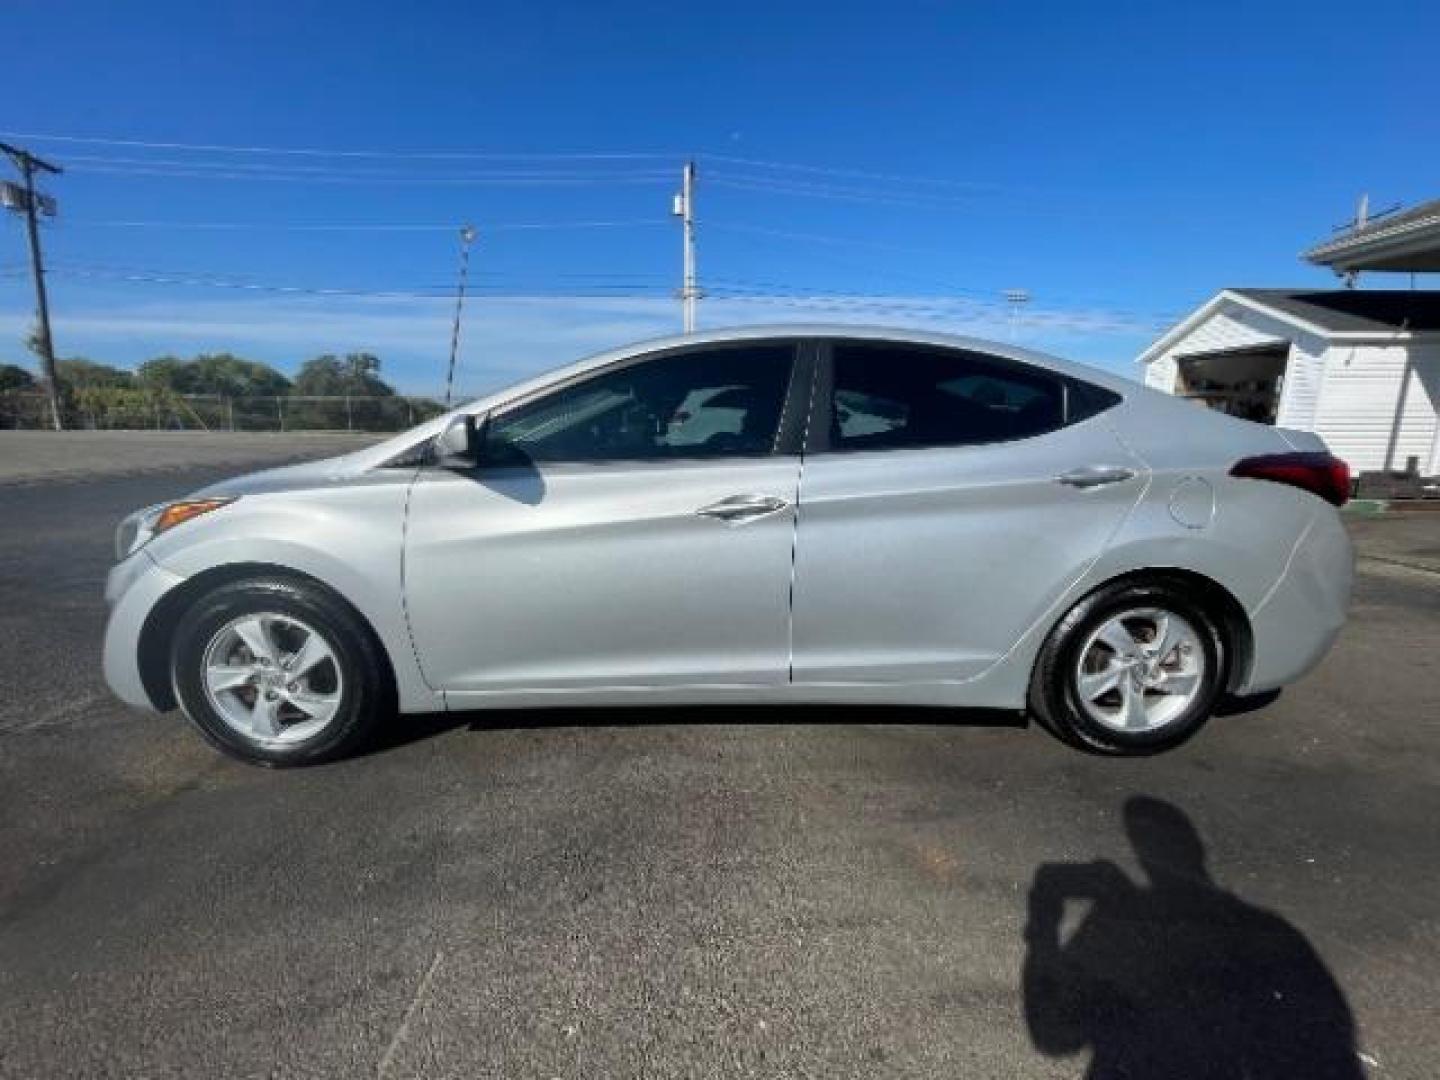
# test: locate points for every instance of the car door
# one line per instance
(632, 528)
(948, 499)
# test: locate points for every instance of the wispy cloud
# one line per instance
(509, 337)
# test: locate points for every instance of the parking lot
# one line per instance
(717, 892)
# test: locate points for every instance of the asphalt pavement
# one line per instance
(47, 456)
(709, 893)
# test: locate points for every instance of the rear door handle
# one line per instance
(741, 508)
(1092, 476)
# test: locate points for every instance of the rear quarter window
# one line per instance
(1085, 400)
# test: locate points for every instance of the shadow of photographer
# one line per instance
(1176, 977)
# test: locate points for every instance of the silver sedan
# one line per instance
(784, 514)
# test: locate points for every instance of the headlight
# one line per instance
(141, 527)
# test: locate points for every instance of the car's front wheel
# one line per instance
(277, 672)
(1134, 668)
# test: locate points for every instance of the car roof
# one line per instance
(861, 332)
(1127, 388)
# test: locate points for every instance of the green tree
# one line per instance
(166, 373)
(355, 374)
(233, 376)
(370, 403)
(77, 373)
(14, 377)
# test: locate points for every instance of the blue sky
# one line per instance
(899, 163)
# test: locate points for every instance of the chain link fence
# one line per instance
(162, 411)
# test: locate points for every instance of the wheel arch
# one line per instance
(157, 636)
(1218, 601)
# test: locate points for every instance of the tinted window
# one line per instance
(905, 395)
(1085, 400)
(708, 403)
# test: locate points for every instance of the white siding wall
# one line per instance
(1377, 404)
(1160, 373)
(1300, 396)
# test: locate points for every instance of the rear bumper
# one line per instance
(133, 589)
(1295, 625)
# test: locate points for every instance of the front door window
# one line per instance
(709, 403)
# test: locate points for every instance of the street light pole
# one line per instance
(28, 164)
(1017, 299)
(467, 237)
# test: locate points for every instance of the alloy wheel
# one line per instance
(1140, 670)
(273, 678)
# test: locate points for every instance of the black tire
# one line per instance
(1054, 696)
(364, 689)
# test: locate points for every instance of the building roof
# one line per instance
(1353, 314)
(1409, 240)
(1354, 311)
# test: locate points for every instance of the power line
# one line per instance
(805, 189)
(512, 226)
(787, 288)
(475, 180)
(128, 268)
(333, 170)
(249, 286)
(1074, 301)
(818, 238)
(504, 156)
(427, 292)
(602, 285)
(419, 155)
(856, 174)
(767, 176)
(938, 306)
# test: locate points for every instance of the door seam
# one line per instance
(405, 589)
(814, 349)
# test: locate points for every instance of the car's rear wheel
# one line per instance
(1134, 668)
(277, 672)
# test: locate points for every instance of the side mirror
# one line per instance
(458, 446)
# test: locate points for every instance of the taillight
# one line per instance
(1319, 474)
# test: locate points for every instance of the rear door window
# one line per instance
(888, 396)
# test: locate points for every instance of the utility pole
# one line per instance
(684, 209)
(31, 201)
(467, 237)
(1017, 299)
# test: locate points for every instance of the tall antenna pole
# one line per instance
(467, 237)
(685, 210)
(28, 164)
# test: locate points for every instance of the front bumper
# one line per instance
(132, 590)
(1295, 625)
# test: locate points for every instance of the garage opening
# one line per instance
(1243, 382)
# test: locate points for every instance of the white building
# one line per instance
(1360, 367)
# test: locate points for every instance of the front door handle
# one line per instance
(1095, 476)
(741, 508)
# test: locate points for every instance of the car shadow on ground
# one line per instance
(1174, 976)
(403, 730)
(1231, 705)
